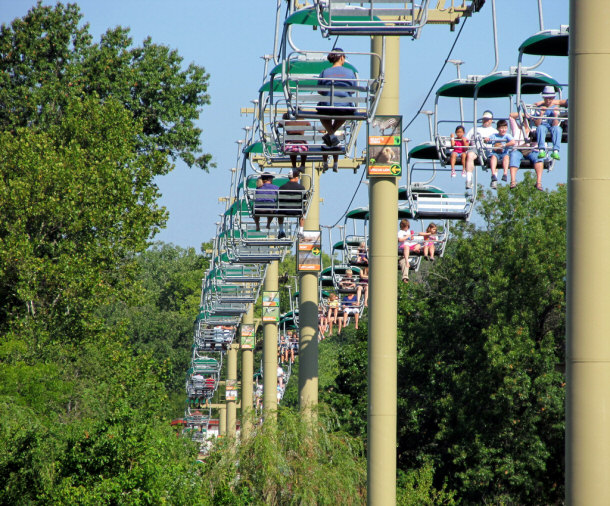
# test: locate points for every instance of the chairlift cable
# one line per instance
(350, 202)
(437, 77)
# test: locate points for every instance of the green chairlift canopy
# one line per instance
(547, 43)
(307, 67)
(424, 151)
(239, 206)
(303, 17)
(255, 148)
(341, 245)
(504, 84)
(459, 88)
(309, 17)
(362, 213)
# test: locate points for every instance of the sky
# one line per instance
(229, 40)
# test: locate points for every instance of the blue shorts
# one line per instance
(516, 156)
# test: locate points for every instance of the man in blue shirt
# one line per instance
(265, 200)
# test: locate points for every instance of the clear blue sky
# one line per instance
(229, 38)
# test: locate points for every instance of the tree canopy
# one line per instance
(47, 59)
(481, 356)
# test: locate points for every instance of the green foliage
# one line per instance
(47, 60)
(160, 323)
(102, 439)
(82, 409)
(293, 462)
(415, 488)
(76, 202)
(481, 356)
(481, 350)
(348, 394)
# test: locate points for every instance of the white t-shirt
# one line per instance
(483, 132)
(403, 235)
(280, 372)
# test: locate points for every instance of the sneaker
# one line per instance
(555, 155)
(468, 185)
(324, 166)
(453, 174)
(281, 235)
(494, 182)
(334, 141)
(335, 168)
(463, 172)
(504, 178)
(542, 153)
(326, 139)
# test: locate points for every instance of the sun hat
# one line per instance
(548, 91)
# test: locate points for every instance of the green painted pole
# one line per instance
(382, 371)
(247, 373)
(231, 376)
(588, 297)
(308, 314)
(270, 350)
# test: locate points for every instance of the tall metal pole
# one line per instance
(231, 377)
(588, 318)
(247, 373)
(270, 349)
(222, 420)
(308, 314)
(382, 373)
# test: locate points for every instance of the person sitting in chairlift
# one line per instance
(336, 77)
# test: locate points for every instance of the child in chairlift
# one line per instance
(430, 235)
(459, 144)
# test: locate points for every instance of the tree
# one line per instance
(481, 355)
(76, 202)
(47, 60)
(160, 323)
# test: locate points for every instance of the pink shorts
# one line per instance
(401, 247)
(294, 147)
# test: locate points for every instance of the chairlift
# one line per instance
(545, 43)
(507, 84)
(307, 97)
(387, 17)
(282, 136)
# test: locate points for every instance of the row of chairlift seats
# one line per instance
(294, 91)
(289, 103)
(222, 299)
(512, 84)
(292, 103)
(302, 94)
